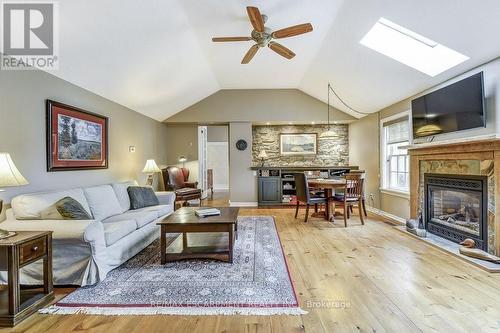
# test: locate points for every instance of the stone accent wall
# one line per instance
(330, 152)
(464, 167)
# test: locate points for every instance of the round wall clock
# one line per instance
(241, 144)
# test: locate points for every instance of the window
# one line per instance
(410, 48)
(395, 160)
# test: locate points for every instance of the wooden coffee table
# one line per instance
(185, 221)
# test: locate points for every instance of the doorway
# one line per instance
(216, 165)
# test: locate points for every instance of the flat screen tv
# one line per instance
(456, 107)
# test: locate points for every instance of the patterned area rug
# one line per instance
(257, 283)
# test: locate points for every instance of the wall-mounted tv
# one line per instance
(456, 107)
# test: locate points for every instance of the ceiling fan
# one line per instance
(263, 36)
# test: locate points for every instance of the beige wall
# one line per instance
(258, 105)
(22, 133)
(242, 180)
(183, 140)
(217, 133)
(364, 152)
(395, 205)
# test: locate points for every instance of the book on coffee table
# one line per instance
(202, 212)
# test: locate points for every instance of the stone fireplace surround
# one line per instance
(479, 156)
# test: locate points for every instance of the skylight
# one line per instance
(410, 48)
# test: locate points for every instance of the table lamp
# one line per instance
(183, 159)
(9, 175)
(150, 168)
(263, 156)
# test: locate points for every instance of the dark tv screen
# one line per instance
(453, 108)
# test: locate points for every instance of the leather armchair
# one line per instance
(185, 172)
(176, 179)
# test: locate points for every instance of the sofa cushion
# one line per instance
(65, 209)
(161, 210)
(122, 194)
(30, 206)
(141, 197)
(140, 217)
(102, 201)
(115, 231)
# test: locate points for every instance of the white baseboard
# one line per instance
(221, 189)
(243, 204)
(381, 213)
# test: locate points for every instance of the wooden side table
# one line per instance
(17, 301)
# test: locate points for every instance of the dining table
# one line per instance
(328, 186)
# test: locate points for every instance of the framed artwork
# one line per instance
(76, 139)
(298, 144)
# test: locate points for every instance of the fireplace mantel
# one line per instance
(479, 143)
(482, 151)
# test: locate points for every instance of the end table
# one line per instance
(17, 301)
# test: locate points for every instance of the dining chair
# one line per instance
(304, 195)
(352, 195)
(363, 200)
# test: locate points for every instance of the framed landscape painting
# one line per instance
(76, 139)
(298, 144)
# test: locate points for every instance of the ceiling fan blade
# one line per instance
(293, 31)
(281, 50)
(251, 52)
(255, 18)
(231, 39)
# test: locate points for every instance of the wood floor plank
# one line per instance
(369, 278)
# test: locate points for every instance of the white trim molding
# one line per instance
(243, 203)
(384, 214)
(383, 166)
(395, 193)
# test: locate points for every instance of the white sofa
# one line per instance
(85, 251)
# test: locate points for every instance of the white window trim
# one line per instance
(384, 188)
(395, 193)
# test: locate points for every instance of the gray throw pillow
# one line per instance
(66, 208)
(141, 197)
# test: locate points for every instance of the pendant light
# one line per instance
(328, 134)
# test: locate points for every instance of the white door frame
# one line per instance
(202, 160)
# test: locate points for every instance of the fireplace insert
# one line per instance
(456, 207)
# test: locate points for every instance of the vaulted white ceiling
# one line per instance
(157, 57)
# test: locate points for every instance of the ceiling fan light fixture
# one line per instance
(263, 36)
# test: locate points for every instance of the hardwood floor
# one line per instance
(360, 278)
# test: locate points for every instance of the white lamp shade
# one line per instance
(151, 167)
(262, 154)
(182, 159)
(9, 175)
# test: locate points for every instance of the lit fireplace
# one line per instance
(456, 207)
